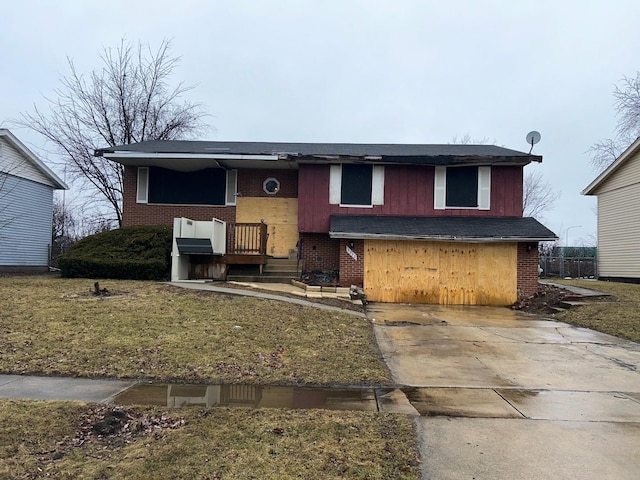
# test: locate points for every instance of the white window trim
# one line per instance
(440, 189)
(377, 187)
(142, 193)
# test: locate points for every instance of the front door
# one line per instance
(281, 217)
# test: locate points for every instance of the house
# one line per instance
(618, 192)
(26, 206)
(409, 223)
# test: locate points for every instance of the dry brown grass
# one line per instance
(54, 326)
(54, 440)
(620, 317)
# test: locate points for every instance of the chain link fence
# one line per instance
(574, 262)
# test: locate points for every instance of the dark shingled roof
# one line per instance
(440, 228)
(413, 153)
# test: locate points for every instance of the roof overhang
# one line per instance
(592, 188)
(193, 162)
(438, 238)
(56, 182)
(440, 228)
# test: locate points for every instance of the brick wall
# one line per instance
(319, 251)
(250, 182)
(351, 271)
(527, 269)
(150, 214)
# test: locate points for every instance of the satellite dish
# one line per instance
(532, 139)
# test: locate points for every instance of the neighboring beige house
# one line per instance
(618, 192)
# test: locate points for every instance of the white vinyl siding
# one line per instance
(142, 195)
(26, 210)
(232, 187)
(15, 163)
(619, 232)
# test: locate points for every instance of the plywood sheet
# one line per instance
(281, 217)
(450, 273)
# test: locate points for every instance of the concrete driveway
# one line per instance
(506, 395)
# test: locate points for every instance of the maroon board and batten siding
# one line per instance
(408, 191)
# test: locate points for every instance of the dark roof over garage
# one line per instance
(432, 154)
(474, 229)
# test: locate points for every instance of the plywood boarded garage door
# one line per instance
(449, 273)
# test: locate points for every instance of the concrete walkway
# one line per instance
(505, 395)
(27, 387)
(212, 287)
(583, 292)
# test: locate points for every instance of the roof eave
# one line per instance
(436, 238)
(58, 184)
(617, 163)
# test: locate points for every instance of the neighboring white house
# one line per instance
(26, 206)
(618, 192)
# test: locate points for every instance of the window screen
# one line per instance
(202, 187)
(462, 187)
(356, 185)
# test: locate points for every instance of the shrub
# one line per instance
(136, 253)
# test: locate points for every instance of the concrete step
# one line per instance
(572, 303)
(281, 268)
(260, 279)
(283, 261)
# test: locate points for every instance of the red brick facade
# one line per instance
(528, 263)
(319, 252)
(149, 214)
(351, 271)
(251, 183)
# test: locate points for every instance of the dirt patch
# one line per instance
(116, 427)
(546, 300)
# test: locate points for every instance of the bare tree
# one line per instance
(627, 105)
(127, 100)
(537, 195)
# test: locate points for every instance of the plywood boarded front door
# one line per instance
(281, 217)
(449, 273)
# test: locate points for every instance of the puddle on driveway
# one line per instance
(176, 395)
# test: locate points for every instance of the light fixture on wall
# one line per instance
(529, 247)
(351, 244)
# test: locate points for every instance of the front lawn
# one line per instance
(73, 440)
(619, 317)
(54, 326)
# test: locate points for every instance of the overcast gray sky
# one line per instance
(361, 71)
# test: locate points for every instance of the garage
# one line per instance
(449, 273)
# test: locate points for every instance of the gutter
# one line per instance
(436, 238)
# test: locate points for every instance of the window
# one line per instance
(356, 185)
(271, 186)
(355, 188)
(462, 187)
(209, 186)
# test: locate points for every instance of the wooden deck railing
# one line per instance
(246, 239)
